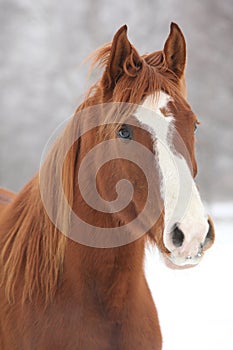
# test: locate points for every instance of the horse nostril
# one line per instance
(177, 237)
(209, 240)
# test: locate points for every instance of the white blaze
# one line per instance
(182, 202)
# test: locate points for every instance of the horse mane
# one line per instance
(32, 248)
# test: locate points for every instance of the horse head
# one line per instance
(134, 155)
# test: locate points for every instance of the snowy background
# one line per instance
(42, 79)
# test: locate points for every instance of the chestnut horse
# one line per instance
(61, 292)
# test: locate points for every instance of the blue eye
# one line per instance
(125, 132)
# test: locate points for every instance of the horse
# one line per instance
(64, 287)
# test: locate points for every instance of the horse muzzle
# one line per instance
(185, 252)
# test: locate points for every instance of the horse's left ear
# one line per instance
(175, 50)
(123, 58)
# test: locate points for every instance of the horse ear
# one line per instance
(122, 52)
(175, 50)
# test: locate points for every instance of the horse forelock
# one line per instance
(153, 76)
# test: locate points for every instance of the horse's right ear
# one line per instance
(122, 57)
(175, 50)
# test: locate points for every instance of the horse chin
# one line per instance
(171, 265)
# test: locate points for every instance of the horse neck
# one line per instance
(105, 276)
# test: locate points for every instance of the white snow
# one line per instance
(195, 306)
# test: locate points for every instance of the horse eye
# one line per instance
(195, 127)
(125, 132)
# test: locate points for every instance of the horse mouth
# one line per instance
(169, 262)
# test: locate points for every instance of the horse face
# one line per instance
(156, 82)
(188, 230)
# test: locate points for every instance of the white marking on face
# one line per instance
(182, 202)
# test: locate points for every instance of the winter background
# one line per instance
(42, 79)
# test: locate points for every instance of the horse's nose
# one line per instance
(178, 237)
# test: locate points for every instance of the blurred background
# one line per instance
(42, 79)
